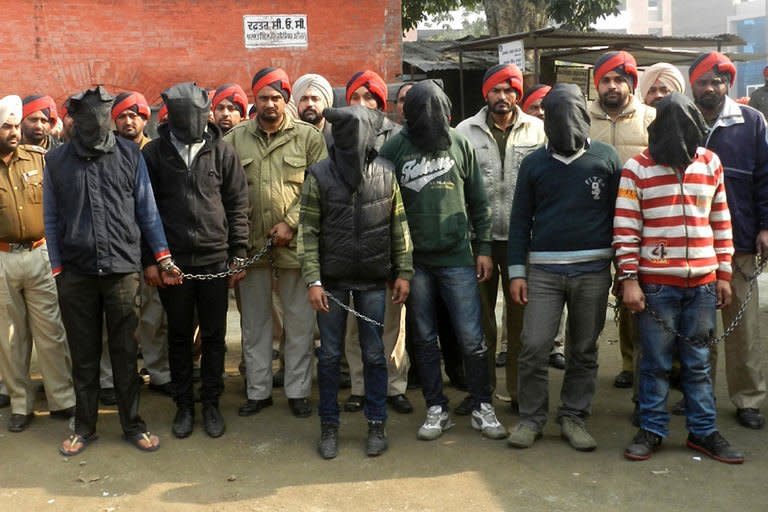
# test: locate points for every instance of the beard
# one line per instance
(501, 107)
(710, 101)
(613, 100)
(311, 116)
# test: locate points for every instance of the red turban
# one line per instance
(371, 81)
(621, 62)
(273, 77)
(37, 102)
(162, 115)
(503, 73)
(533, 95)
(712, 61)
(130, 100)
(233, 93)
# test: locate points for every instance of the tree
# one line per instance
(510, 16)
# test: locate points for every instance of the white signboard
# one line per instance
(275, 30)
(512, 53)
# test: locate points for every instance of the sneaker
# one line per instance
(465, 407)
(329, 441)
(438, 421)
(574, 431)
(522, 436)
(377, 439)
(715, 446)
(484, 420)
(643, 445)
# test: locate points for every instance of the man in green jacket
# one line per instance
(275, 149)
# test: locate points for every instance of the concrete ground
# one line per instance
(268, 462)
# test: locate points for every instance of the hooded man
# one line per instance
(99, 208)
(353, 238)
(559, 253)
(658, 81)
(312, 94)
(229, 105)
(501, 135)
(275, 150)
(202, 196)
(443, 192)
(737, 134)
(30, 309)
(39, 118)
(130, 113)
(672, 235)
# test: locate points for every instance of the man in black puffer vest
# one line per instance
(353, 238)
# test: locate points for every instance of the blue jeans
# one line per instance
(457, 286)
(333, 326)
(691, 311)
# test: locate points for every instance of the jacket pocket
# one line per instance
(33, 189)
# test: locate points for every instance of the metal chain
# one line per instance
(266, 250)
(352, 310)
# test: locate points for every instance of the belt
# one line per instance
(21, 246)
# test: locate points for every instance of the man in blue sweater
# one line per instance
(561, 227)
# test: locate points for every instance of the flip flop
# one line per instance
(136, 440)
(74, 439)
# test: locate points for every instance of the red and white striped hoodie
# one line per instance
(670, 227)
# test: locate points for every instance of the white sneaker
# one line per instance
(484, 420)
(437, 422)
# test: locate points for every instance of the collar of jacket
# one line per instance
(480, 119)
(255, 129)
(729, 115)
(596, 108)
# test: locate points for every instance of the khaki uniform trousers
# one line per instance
(29, 310)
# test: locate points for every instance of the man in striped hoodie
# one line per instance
(673, 241)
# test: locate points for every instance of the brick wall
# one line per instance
(59, 47)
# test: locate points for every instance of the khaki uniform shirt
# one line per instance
(21, 196)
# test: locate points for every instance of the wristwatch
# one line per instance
(314, 283)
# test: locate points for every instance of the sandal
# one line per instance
(75, 439)
(144, 437)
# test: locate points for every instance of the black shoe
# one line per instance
(557, 360)
(624, 379)
(400, 403)
(5, 401)
(252, 407)
(354, 403)
(377, 439)
(501, 359)
(635, 418)
(300, 407)
(345, 381)
(679, 408)
(750, 418)
(329, 441)
(715, 446)
(20, 422)
(166, 389)
(278, 378)
(213, 421)
(107, 396)
(183, 422)
(63, 414)
(514, 407)
(643, 445)
(465, 407)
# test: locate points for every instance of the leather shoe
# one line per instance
(557, 361)
(5, 400)
(750, 418)
(213, 421)
(107, 396)
(465, 407)
(19, 422)
(63, 414)
(354, 403)
(400, 403)
(624, 379)
(300, 407)
(166, 389)
(183, 422)
(252, 407)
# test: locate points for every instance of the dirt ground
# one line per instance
(268, 462)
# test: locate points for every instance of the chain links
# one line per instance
(232, 271)
(352, 310)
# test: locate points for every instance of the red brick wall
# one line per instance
(58, 47)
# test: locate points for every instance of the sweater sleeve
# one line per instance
(521, 220)
(234, 196)
(308, 238)
(50, 218)
(477, 202)
(720, 221)
(628, 223)
(146, 213)
(402, 247)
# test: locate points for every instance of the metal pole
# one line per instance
(461, 84)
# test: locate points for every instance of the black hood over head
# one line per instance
(567, 121)
(354, 138)
(677, 131)
(91, 111)
(188, 110)
(427, 112)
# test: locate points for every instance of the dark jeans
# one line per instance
(457, 286)
(210, 299)
(85, 300)
(692, 312)
(333, 326)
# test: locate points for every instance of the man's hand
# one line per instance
(518, 288)
(152, 276)
(317, 298)
(236, 278)
(632, 296)
(723, 293)
(761, 244)
(400, 290)
(169, 272)
(281, 234)
(484, 268)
